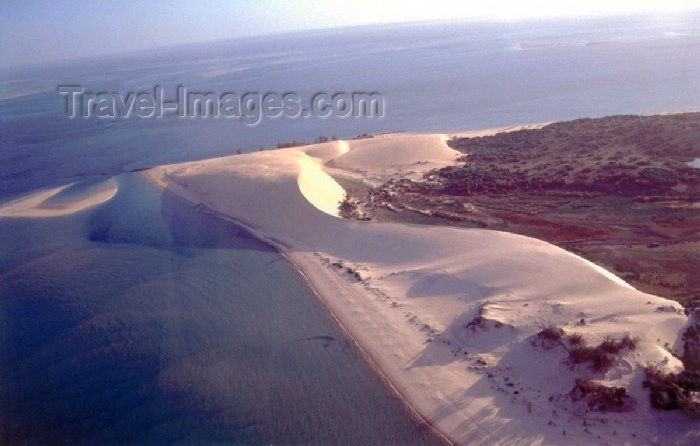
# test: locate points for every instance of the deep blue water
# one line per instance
(146, 321)
(434, 78)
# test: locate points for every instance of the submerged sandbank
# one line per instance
(62, 200)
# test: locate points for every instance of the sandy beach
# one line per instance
(339, 223)
(450, 316)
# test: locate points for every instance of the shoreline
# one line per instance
(299, 267)
(364, 274)
(366, 355)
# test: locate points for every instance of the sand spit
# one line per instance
(50, 203)
(451, 315)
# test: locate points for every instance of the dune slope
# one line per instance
(451, 316)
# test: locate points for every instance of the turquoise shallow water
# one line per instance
(146, 321)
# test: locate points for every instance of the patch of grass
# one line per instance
(576, 340)
(599, 360)
(612, 345)
(630, 343)
(602, 357)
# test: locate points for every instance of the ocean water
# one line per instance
(144, 320)
(434, 77)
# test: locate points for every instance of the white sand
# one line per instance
(38, 204)
(493, 131)
(375, 160)
(406, 293)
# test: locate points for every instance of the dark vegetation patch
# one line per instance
(600, 398)
(599, 358)
(674, 391)
(321, 139)
(549, 337)
(615, 190)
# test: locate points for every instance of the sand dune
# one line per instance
(450, 315)
(51, 203)
(318, 187)
(395, 150)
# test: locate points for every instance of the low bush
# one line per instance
(628, 342)
(601, 357)
(551, 333)
(691, 343)
(673, 391)
(612, 345)
(600, 397)
(576, 340)
(600, 360)
(549, 337)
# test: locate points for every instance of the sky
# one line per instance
(43, 30)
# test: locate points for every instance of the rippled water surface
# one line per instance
(144, 320)
(149, 322)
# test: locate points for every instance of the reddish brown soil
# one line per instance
(616, 190)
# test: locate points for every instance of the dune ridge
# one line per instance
(450, 315)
